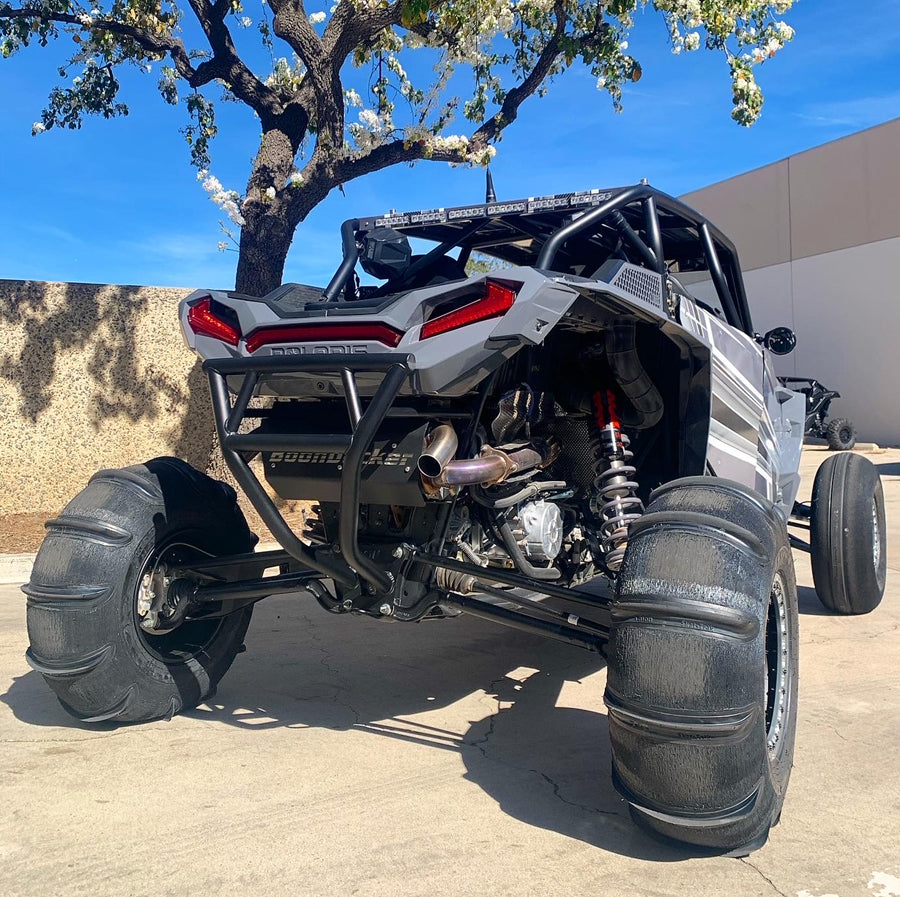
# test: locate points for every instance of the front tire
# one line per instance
(702, 682)
(848, 535)
(84, 598)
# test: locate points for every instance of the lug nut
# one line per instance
(386, 609)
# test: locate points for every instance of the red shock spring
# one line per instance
(615, 500)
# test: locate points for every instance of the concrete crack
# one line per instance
(556, 793)
(338, 684)
(480, 744)
(763, 875)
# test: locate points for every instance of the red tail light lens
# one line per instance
(203, 320)
(324, 333)
(497, 300)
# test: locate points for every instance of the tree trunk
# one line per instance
(265, 240)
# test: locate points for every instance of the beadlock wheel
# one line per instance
(90, 593)
(702, 681)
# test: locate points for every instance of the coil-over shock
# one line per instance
(615, 502)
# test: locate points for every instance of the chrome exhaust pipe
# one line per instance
(440, 447)
(492, 466)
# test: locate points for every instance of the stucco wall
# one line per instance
(92, 376)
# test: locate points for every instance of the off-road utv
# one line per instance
(498, 444)
(838, 432)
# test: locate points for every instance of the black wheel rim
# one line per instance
(191, 637)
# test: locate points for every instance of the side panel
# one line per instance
(742, 443)
(787, 410)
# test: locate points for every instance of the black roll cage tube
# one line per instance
(650, 251)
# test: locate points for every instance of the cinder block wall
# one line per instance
(93, 376)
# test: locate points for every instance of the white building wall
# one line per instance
(818, 237)
(844, 307)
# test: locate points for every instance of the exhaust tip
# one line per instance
(439, 450)
(430, 466)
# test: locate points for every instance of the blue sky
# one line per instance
(117, 202)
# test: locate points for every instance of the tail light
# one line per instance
(497, 300)
(208, 318)
(324, 333)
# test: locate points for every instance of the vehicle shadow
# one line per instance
(544, 761)
(889, 468)
(809, 604)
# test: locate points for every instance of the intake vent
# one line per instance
(642, 284)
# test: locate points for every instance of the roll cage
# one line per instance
(571, 234)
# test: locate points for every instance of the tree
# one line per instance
(317, 130)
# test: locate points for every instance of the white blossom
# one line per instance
(38, 128)
(691, 41)
(226, 200)
(222, 246)
(316, 18)
(296, 179)
(784, 31)
(245, 21)
(270, 193)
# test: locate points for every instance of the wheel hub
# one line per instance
(160, 607)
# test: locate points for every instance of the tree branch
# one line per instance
(227, 65)
(292, 25)
(322, 174)
(349, 28)
(509, 109)
(152, 43)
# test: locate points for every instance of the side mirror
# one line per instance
(780, 341)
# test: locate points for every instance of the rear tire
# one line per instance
(83, 618)
(702, 681)
(848, 535)
(841, 435)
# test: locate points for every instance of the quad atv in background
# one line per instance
(499, 444)
(838, 432)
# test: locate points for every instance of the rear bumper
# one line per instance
(344, 561)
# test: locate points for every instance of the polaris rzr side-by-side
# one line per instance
(500, 444)
(838, 432)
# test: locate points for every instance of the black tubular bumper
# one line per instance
(345, 562)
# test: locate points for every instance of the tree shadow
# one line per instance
(121, 378)
(545, 763)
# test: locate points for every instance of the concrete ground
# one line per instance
(345, 756)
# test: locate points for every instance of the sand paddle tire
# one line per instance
(702, 680)
(99, 632)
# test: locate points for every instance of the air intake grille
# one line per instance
(640, 283)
